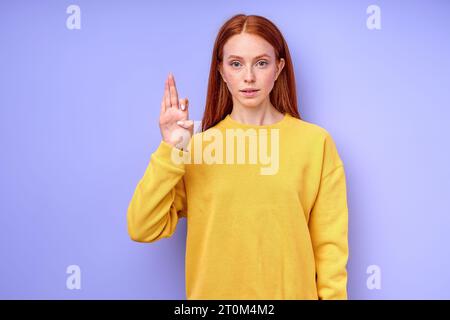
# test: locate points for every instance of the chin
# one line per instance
(250, 106)
(251, 103)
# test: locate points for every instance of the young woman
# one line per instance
(258, 226)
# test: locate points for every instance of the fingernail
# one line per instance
(180, 123)
(183, 107)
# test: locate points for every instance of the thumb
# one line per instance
(185, 123)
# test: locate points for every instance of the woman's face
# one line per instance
(249, 62)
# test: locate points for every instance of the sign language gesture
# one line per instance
(174, 124)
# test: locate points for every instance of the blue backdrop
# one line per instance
(81, 84)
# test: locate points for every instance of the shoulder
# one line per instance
(314, 137)
(309, 129)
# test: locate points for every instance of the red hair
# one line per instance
(283, 95)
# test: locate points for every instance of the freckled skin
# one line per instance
(248, 72)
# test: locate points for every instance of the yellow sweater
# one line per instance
(254, 230)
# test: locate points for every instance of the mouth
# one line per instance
(249, 92)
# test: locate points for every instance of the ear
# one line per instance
(280, 68)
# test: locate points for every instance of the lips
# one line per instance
(249, 93)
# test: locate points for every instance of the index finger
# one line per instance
(165, 103)
(173, 92)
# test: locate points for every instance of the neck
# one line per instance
(262, 115)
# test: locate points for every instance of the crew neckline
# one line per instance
(233, 122)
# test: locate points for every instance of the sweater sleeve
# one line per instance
(159, 199)
(328, 226)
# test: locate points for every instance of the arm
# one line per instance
(159, 199)
(328, 227)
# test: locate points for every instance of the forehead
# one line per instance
(247, 46)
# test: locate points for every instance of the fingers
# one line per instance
(184, 104)
(170, 99)
(163, 101)
(173, 92)
(166, 95)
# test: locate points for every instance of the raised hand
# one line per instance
(174, 124)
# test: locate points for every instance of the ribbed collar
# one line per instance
(230, 122)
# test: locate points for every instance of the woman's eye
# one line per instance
(260, 63)
(264, 63)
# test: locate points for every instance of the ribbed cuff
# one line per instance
(170, 156)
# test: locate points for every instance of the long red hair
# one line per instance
(283, 96)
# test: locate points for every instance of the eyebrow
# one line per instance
(257, 57)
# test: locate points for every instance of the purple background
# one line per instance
(79, 120)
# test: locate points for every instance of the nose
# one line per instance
(249, 75)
